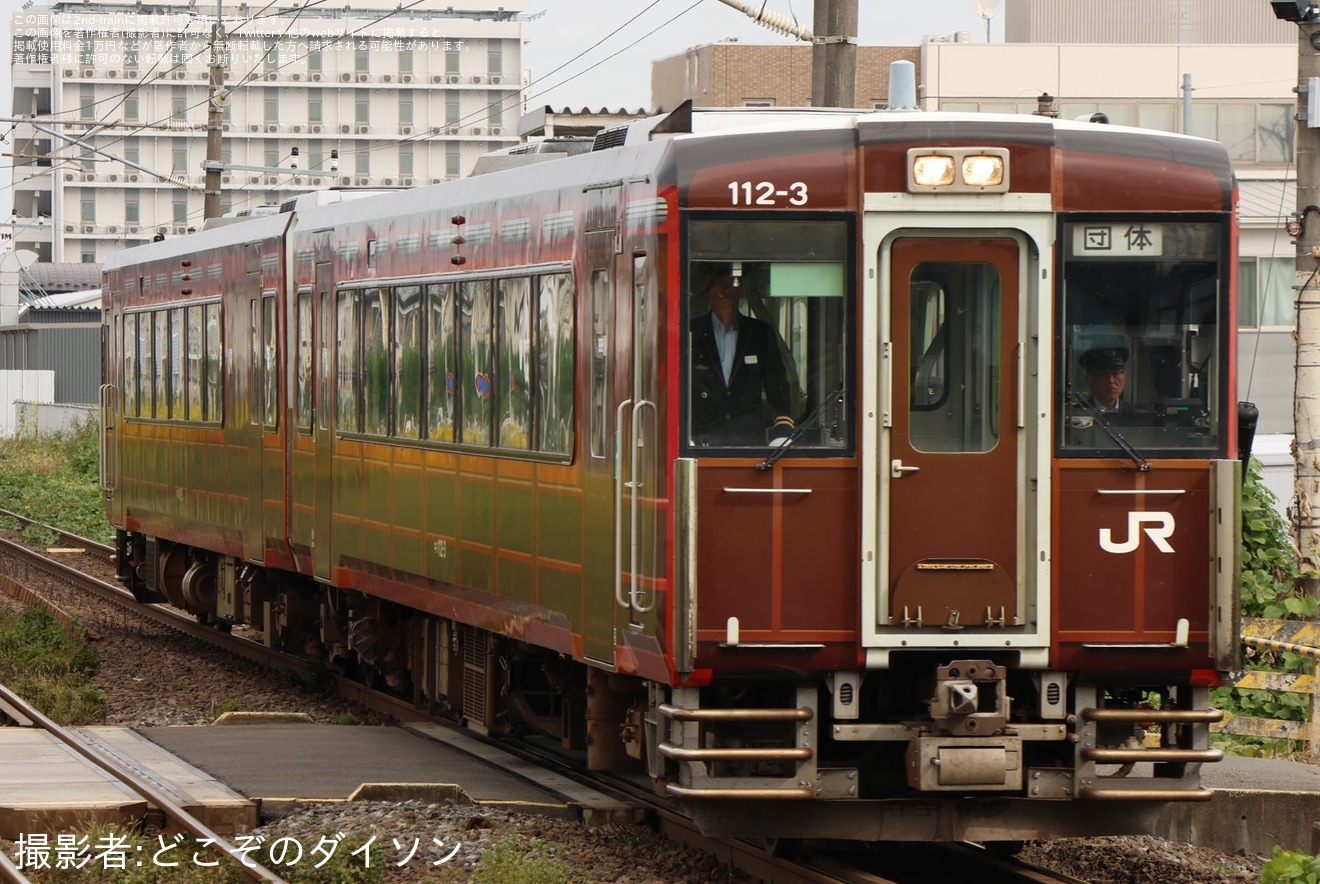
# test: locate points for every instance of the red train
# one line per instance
(855, 475)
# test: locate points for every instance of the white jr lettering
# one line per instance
(1158, 535)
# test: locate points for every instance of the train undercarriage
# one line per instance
(937, 747)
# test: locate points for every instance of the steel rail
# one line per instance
(65, 536)
(157, 797)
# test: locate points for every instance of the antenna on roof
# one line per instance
(987, 9)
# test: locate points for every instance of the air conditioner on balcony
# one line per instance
(68, 176)
(132, 228)
(345, 78)
(89, 228)
(295, 77)
(386, 78)
(69, 72)
(272, 179)
(132, 176)
(113, 228)
(180, 229)
(224, 127)
(314, 128)
(297, 128)
(436, 180)
(405, 130)
(179, 75)
(88, 72)
(204, 76)
(89, 176)
(436, 78)
(476, 130)
(131, 73)
(113, 177)
(495, 130)
(225, 179)
(363, 182)
(453, 78)
(255, 179)
(345, 129)
(112, 74)
(362, 130)
(388, 182)
(272, 76)
(253, 127)
(362, 78)
(476, 78)
(345, 181)
(68, 228)
(272, 127)
(496, 80)
(316, 78)
(405, 78)
(406, 182)
(453, 130)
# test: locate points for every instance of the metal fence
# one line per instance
(1298, 637)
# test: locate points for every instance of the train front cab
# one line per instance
(1046, 590)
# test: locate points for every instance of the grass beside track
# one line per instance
(49, 666)
(55, 479)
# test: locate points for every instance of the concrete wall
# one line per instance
(25, 386)
(44, 418)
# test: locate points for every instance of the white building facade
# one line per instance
(111, 101)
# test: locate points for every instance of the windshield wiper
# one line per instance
(1143, 465)
(836, 396)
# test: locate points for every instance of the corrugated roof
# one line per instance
(67, 277)
(1269, 201)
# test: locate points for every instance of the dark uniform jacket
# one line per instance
(757, 395)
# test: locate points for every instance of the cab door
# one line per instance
(955, 508)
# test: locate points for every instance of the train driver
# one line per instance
(740, 388)
(1106, 378)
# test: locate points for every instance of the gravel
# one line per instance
(153, 676)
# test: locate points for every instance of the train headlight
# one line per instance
(933, 171)
(957, 170)
(980, 170)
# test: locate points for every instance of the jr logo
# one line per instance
(1159, 529)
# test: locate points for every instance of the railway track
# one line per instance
(896, 864)
(173, 817)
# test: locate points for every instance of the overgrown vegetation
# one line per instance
(55, 479)
(1289, 867)
(516, 860)
(1270, 589)
(49, 666)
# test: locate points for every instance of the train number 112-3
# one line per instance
(764, 193)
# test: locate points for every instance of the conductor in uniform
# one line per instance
(740, 388)
(1106, 379)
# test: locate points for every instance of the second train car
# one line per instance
(931, 536)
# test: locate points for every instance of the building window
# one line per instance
(178, 109)
(131, 151)
(314, 60)
(362, 161)
(180, 208)
(271, 106)
(1265, 292)
(405, 61)
(272, 159)
(405, 112)
(179, 161)
(758, 102)
(89, 257)
(406, 160)
(86, 102)
(87, 52)
(88, 160)
(494, 61)
(132, 207)
(495, 113)
(272, 59)
(451, 164)
(131, 108)
(362, 60)
(451, 61)
(451, 112)
(131, 54)
(314, 114)
(88, 211)
(362, 110)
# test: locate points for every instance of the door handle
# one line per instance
(896, 469)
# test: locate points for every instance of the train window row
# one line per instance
(484, 362)
(172, 363)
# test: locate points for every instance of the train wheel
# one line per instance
(1004, 849)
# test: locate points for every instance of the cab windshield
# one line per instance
(768, 303)
(1141, 344)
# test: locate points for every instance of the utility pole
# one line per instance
(1306, 227)
(834, 54)
(215, 116)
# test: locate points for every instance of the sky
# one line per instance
(663, 28)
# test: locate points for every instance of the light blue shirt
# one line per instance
(726, 344)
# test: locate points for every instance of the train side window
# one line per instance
(442, 358)
(130, 367)
(347, 382)
(408, 361)
(146, 379)
(254, 364)
(162, 367)
(176, 364)
(515, 363)
(195, 365)
(214, 365)
(554, 373)
(601, 317)
(476, 360)
(303, 381)
(375, 361)
(269, 365)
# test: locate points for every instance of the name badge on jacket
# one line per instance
(750, 359)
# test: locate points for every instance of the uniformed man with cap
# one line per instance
(740, 388)
(1106, 377)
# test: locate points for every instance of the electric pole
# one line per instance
(215, 116)
(834, 54)
(1306, 224)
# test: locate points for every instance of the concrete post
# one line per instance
(1306, 410)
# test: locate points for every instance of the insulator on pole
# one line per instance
(775, 22)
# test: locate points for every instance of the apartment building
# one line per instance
(111, 99)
